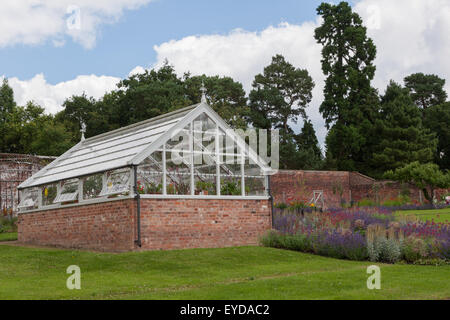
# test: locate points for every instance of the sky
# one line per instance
(52, 49)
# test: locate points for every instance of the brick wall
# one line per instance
(289, 185)
(203, 223)
(107, 226)
(165, 224)
(14, 169)
(338, 186)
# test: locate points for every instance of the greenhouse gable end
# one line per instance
(180, 180)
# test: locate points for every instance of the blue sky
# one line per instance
(129, 42)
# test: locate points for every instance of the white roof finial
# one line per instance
(203, 91)
(83, 130)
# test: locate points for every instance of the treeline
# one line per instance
(369, 132)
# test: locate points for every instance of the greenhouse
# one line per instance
(187, 161)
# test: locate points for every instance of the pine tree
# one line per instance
(307, 140)
(402, 138)
(426, 90)
(7, 107)
(350, 104)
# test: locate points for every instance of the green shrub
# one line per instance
(397, 202)
(281, 205)
(8, 224)
(366, 203)
(274, 239)
(414, 249)
(384, 250)
(297, 205)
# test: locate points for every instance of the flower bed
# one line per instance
(359, 234)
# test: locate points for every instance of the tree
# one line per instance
(350, 104)
(401, 135)
(437, 119)
(224, 95)
(150, 94)
(52, 139)
(426, 90)
(308, 143)
(7, 108)
(280, 95)
(427, 177)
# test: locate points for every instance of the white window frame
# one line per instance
(67, 197)
(125, 187)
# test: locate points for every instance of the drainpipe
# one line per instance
(137, 196)
(269, 191)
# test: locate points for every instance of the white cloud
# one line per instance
(242, 54)
(32, 22)
(52, 96)
(410, 35)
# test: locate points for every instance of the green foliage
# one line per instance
(401, 136)
(427, 177)
(281, 205)
(281, 95)
(224, 95)
(426, 90)
(276, 239)
(384, 250)
(366, 203)
(206, 186)
(414, 249)
(297, 205)
(350, 103)
(437, 119)
(397, 202)
(8, 224)
(231, 188)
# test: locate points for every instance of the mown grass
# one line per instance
(10, 236)
(229, 273)
(441, 215)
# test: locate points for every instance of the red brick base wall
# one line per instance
(165, 224)
(107, 226)
(201, 223)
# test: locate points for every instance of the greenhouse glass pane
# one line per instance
(29, 199)
(254, 180)
(230, 177)
(92, 186)
(117, 182)
(69, 191)
(178, 172)
(150, 174)
(49, 193)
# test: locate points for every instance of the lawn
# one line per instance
(230, 273)
(441, 215)
(11, 236)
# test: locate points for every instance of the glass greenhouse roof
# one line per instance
(111, 150)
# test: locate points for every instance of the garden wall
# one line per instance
(338, 187)
(165, 224)
(14, 169)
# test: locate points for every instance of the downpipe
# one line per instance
(137, 196)
(269, 191)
